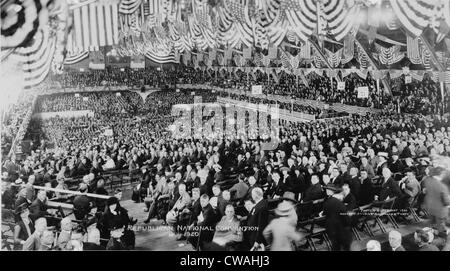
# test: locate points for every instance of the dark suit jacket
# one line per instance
(366, 192)
(37, 209)
(355, 186)
(390, 189)
(208, 224)
(336, 223)
(338, 181)
(258, 220)
(350, 202)
(429, 247)
(92, 246)
(313, 192)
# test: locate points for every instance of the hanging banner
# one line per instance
(341, 86)
(363, 92)
(408, 79)
(257, 89)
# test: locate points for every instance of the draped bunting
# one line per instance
(34, 34)
(200, 24)
(334, 58)
(72, 59)
(36, 59)
(129, 6)
(416, 15)
(389, 56)
(362, 57)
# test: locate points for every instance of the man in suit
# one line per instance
(367, 167)
(354, 182)
(337, 225)
(258, 218)
(277, 188)
(396, 165)
(437, 198)
(382, 163)
(205, 224)
(390, 188)
(182, 202)
(314, 191)
(336, 177)
(34, 241)
(39, 206)
(366, 192)
(241, 188)
(349, 198)
(395, 241)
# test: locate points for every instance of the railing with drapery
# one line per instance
(283, 114)
(314, 103)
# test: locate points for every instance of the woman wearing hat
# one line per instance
(281, 230)
(115, 217)
(24, 227)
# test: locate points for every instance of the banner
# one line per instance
(363, 92)
(257, 89)
(408, 79)
(341, 85)
(137, 62)
(108, 132)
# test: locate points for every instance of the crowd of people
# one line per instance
(234, 192)
(424, 96)
(191, 184)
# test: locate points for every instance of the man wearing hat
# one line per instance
(281, 230)
(336, 221)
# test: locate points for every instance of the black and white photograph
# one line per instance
(240, 126)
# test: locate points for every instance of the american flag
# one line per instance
(146, 5)
(285, 60)
(129, 6)
(95, 25)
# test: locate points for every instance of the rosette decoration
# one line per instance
(34, 35)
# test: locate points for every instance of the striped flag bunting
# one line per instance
(334, 58)
(389, 56)
(37, 58)
(95, 25)
(72, 59)
(305, 51)
(415, 15)
(162, 58)
(146, 5)
(129, 6)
